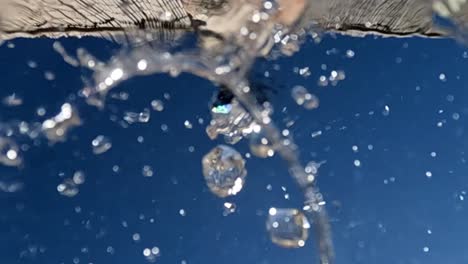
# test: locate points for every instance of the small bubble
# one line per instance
(305, 72)
(304, 98)
(428, 174)
(41, 111)
(229, 208)
(68, 188)
(350, 54)
(357, 163)
(182, 212)
(157, 105)
(426, 249)
(116, 74)
(187, 124)
(386, 110)
(442, 77)
(316, 134)
(79, 177)
(323, 81)
(142, 117)
(9, 153)
(151, 254)
(50, 76)
(32, 64)
(312, 167)
(101, 144)
(136, 237)
(147, 171)
(12, 100)
(142, 65)
(260, 146)
(110, 250)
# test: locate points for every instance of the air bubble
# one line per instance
(101, 144)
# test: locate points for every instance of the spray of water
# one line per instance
(227, 66)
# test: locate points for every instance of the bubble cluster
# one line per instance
(70, 186)
(304, 98)
(56, 128)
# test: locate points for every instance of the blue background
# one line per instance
(381, 212)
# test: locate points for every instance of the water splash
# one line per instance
(225, 65)
(450, 17)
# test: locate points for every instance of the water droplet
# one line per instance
(442, 77)
(142, 65)
(110, 250)
(428, 174)
(142, 117)
(151, 254)
(350, 54)
(260, 146)
(316, 134)
(79, 177)
(386, 110)
(229, 208)
(188, 125)
(224, 171)
(56, 128)
(182, 212)
(9, 153)
(287, 227)
(305, 72)
(101, 144)
(12, 100)
(68, 188)
(313, 167)
(357, 163)
(147, 171)
(48, 75)
(304, 98)
(157, 105)
(136, 237)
